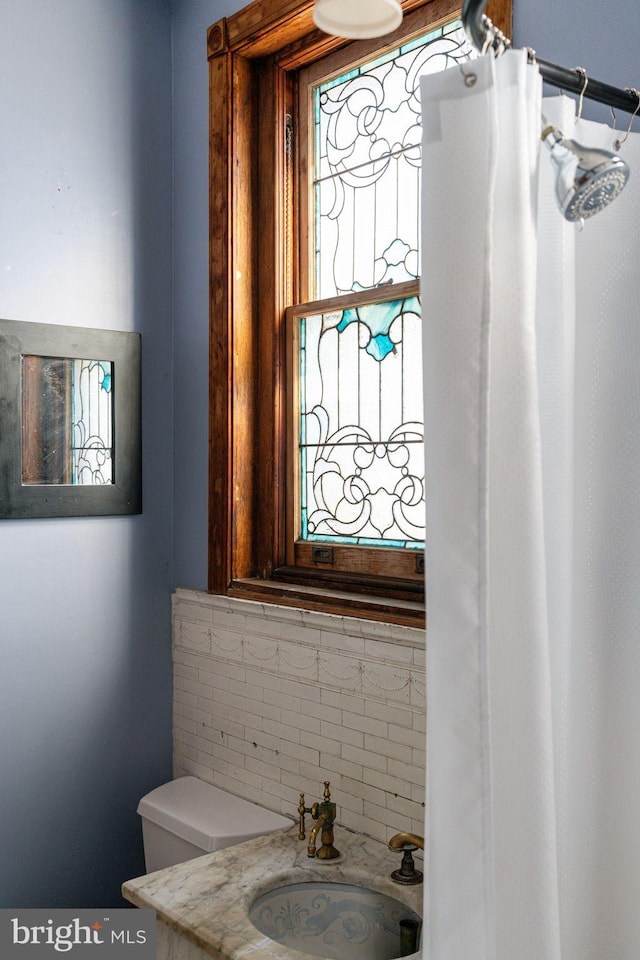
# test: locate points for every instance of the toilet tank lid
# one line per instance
(206, 815)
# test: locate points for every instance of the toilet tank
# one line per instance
(187, 818)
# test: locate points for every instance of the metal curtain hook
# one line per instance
(500, 42)
(583, 73)
(618, 143)
(469, 78)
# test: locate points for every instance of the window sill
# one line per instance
(407, 613)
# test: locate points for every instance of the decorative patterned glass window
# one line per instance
(358, 467)
(314, 317)
(366, 162)
(361, 472)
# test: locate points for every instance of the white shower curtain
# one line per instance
(532, 434)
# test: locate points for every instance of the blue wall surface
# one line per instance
(603, 38)
(85, 240)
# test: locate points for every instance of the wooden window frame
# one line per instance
(368, 568)
(253, 57)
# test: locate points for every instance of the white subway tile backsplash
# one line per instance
(420, 657)
(365, 758)
(306, 781)
(420, 723)
(188, 753)
(243, 714)
(191, 766)
(404, 807)
(239, 789)
(320, 711)
(300, 752)
(388, 783)
(298, 634)
(339, 671)
(381, 814)
(351, 803)
(341, 766)
(270, 701)
(180, 655)
(386, 748)
(373, 828)
(181, 696)
(341, 733)
(387, 682)
(301, 721)
(364, 791)
(389, 712)
(275, 701)
(260, 652)
(260, 739)
(330, 640)
(185, 724)
(183, 670)
(341, 701)
(418, 692)
(195, 636)
(305, 691)
(228, 645)
(353, 721)
(298, 662)
(389, 652)
(409, 738)
(262, 678)
(285, 731)
(260, 767)
(323, 744)
(284, 762)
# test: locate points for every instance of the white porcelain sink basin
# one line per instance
(335, 921)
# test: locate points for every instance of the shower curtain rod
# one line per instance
(481, 32)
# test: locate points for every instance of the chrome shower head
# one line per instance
(588, 178)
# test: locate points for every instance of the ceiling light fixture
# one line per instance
(357, 19)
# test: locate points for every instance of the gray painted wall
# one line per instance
(85, 239)
(604, 38)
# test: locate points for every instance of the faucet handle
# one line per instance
(301, 812)
(407, 842)
(402, 840)
(324, 813)
(313, 810)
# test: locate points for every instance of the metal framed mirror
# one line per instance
(70, 433)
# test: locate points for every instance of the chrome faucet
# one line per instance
(324, 814)
(408, 842)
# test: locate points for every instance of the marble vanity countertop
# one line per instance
(207, 900)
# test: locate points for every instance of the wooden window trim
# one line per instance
(251, 58)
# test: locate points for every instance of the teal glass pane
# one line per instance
(367, 165)
(360, 431)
